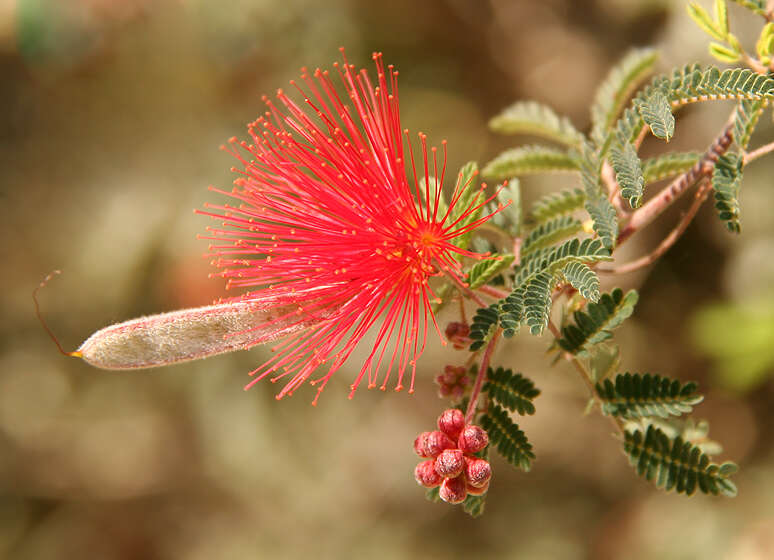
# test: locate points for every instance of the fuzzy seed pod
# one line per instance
(435, 443)
(477, 471)
(453, 490)
(451, 422)
(474, 491)
(473, 439)
(419, 444)
(426, 476)
(450, 463)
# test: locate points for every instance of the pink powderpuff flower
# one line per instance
(329, 228)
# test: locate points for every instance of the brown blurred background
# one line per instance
(111, 115)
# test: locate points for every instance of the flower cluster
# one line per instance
(453, 382)
(331, 233)
(451, 461)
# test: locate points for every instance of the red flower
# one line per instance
(329, 226)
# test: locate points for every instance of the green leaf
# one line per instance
(764, 45)
(511, 312)
(583, 279)
(471, 194)
(604, 361)
(726, 180)
(703, 20)
(529, 160)
(604, 218)
(721, 16)
(635, 395)
(432, 495)
(657, 114)
(724, 54)
(557, 204)
(628, 172)
(529, 117)
(506, 436)
(596, 324)
(483, 325)
(537, 301)
(757, 6)
(668, 165)
(509, 218)
(616, 89)
(511, 390)
(486, 269)
(474, 505)
(549, 233)
(674, 464)
(745, 119)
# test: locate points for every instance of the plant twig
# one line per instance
(485, 359)
(755, 154)
(656, 205)
(669, 240)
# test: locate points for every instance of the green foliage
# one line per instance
(466, 180)
(474, 505)
(746, 117)
(529, 159)
(605, 220)
(726, 180)
(557, 204)
(529, 117)
(506, 436)
(483, 325)
(535, 278)
(509, 218)
(657, 114)
(668, 165)
(486, 269)
(715, 29)
(628, 172)
(757, 6)
(548, 233)
(511, 390)
(580, 276)
(635, 395)
(511, 310)
(675, 464)
(596, 324)
(616, 89)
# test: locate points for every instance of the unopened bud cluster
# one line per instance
(458, 334)
(453, 382)
(451, 461)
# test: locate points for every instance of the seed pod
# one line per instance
(435, 443)
(474, 491)
(426, 475)
(477, 471)
(453, 490)
(473, 439)
(450, 463)
(451, 422)
(419, 444)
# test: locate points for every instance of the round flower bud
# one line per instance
(450, 463)
(425, 474)
(419, 444)
(435, 443)
(453, 490)
(473, 491)
(451, 422)
(477, 471)
(473, 439)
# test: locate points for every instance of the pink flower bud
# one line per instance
(477, 472)
(473, 491)
(473, 439)
(453, 490)
(425, 474)
(419, 444)
(451, 422)
(435, 443)
(450, 463)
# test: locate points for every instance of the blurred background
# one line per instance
(111, 114)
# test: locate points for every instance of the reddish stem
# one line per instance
(485, 359)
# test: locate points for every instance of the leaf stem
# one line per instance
(485, 359)
(755, 154)
(669, 240)
(656, 205)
